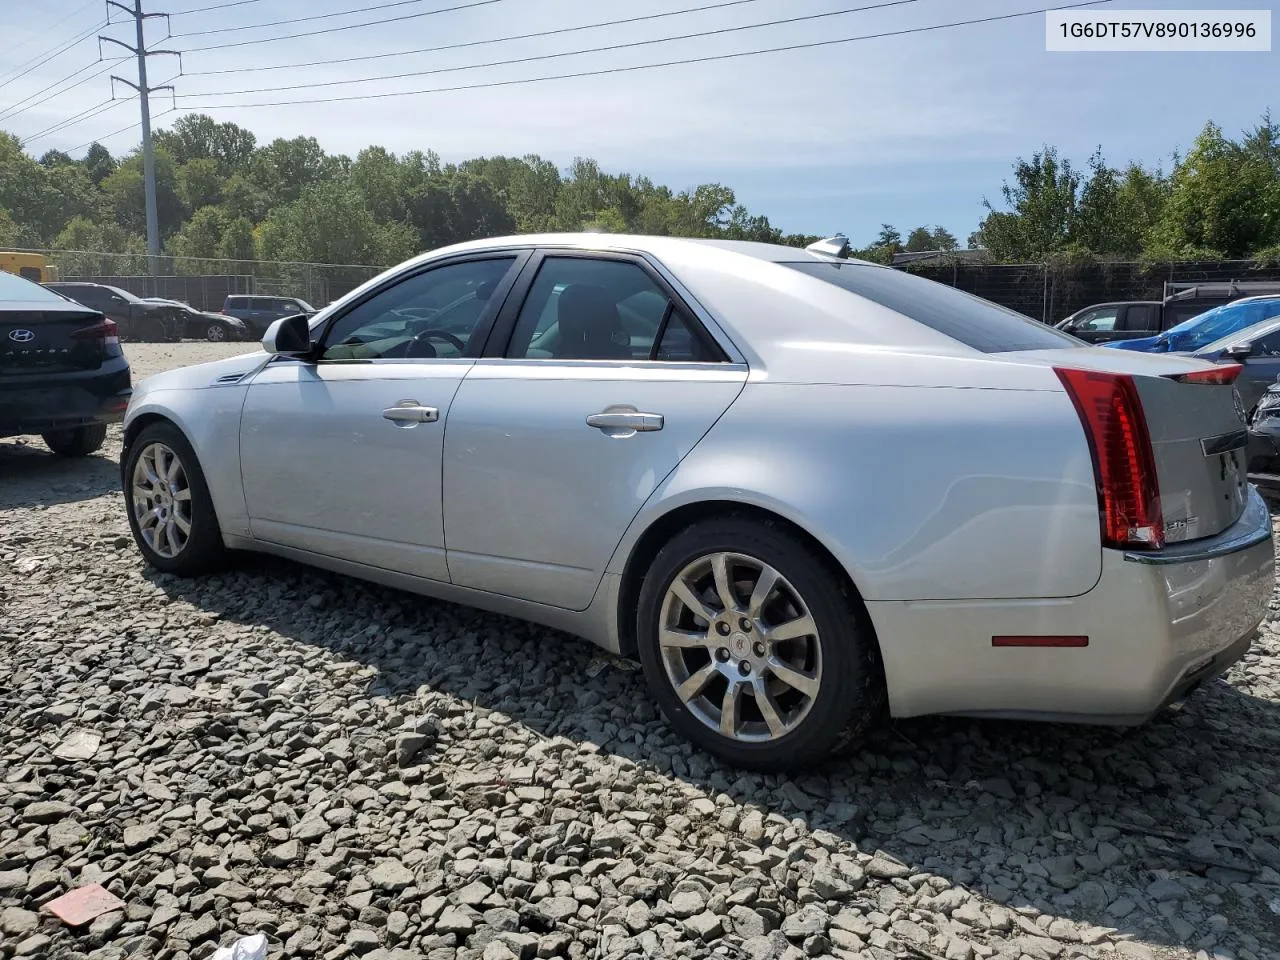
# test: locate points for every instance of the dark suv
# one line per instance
(62, 372)
(1136, 319)
(138, 319)
(260, 312)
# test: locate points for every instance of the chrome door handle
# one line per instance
(410, 411)
(626, 420)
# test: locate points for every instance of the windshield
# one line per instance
(306, 307)
(123, 293)
(15, 289)
(1221, 322)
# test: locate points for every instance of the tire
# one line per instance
(200, 549)
(217, 333)
(77, 442)
(838, 663)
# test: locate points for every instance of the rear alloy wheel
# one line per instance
(753, 649)
(215, 333)
(170, 511)
(77, 442)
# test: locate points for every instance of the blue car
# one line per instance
(1205, 328)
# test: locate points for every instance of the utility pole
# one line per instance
(144, 95)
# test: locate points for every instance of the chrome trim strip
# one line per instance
(1253, 528)
(1236, 440)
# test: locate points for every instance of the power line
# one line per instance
(571, 53)
(480, 43)
(94, 111)
(349, 26)
(318, 16)
(15, 109)
(41, 59)
(89, 143)
(216, 6)
(810, 45)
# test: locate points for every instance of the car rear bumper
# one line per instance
(1154, 627)
(30, 405)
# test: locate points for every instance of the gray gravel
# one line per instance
(363, 773)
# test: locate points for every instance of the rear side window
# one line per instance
(14, 289)
(1141, 317)
(970, 320)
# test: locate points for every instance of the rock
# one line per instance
(686, 903)
(283, 854)
(46, 811)
(17, 923)
(453, 920)
(391, 875)
(830, 884)
(747, 923)
(409, 745)
(139, 836)
(706, 926)
(556, 909)
(36, 945)
(361, 942)
(807, 922)
(885, 869)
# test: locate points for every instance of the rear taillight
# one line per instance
(1124, 464)
(105, 330)
(1219, 375)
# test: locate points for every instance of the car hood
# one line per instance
(216, 373)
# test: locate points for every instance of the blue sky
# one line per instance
(908, 130)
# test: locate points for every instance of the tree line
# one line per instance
(222, 196)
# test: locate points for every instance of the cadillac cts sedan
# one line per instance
(800, 489)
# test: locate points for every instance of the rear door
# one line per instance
(1141, 319)
(599, 380)
(1261, 368)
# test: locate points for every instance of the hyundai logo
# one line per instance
(21, 336)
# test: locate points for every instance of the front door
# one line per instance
(341, 453)
(605, 384)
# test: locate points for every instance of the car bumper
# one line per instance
(30, 405)
(1156, 626)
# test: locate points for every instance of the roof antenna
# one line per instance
(837, 246)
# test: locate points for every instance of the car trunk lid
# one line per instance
(41, 341)
(1197, 432)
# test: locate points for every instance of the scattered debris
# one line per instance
(78, 745)
(83, 904)
(246, 948)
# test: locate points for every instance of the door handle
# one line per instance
(410, 411)
(626, 420)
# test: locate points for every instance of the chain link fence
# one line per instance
(205, 284)
(1051, 292)
(1048, 292)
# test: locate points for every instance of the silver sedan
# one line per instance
(803, 490)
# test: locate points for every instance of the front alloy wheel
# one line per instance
(755, 646)
(216, 333)
(740, 647)
(162, 500)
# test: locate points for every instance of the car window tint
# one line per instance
(1267, 345)
(974, 322)
(13, 288)
(584, 309)
(427, 315)
(1101, 320)
(1140, 317)
(681, 343)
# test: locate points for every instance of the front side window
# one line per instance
(584, 309)
(432, 314)
(1267, 345)
(1098, 320)
(967, 319)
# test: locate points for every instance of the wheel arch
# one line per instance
(662, 528)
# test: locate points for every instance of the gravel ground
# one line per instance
(360, 772)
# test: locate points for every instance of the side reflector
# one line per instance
(1214, 376)
(1039, 641)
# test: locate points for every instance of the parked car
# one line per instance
(1140, 319)
(137, 319)
(62, 372)
(1264, 438)
(1200, 331)
(204, 325)
(797, 487)
(260, 312)
(1257, 350)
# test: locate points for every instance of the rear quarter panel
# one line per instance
(922, 493)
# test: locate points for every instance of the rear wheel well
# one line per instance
(667, 526)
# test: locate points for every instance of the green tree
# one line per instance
(1042, 201)
(328, 223)
(199, 137)
(456, 206)
(200, 183)
(98, 163)
(236, 242)
(284, 169)
(123, 190)
(100, 240)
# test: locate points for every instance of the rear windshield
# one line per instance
(974, 322)
(14, 289)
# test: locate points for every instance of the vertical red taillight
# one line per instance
(1123, 461)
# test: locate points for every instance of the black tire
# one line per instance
(850, 697)
(77, 442)
(203, 551)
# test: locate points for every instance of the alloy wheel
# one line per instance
(216, 333)
(162, 500)
(740, 647)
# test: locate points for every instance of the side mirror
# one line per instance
(288, 337)
(1238, 351)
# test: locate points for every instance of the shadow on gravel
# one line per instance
(1101, 826)
(30, 474)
